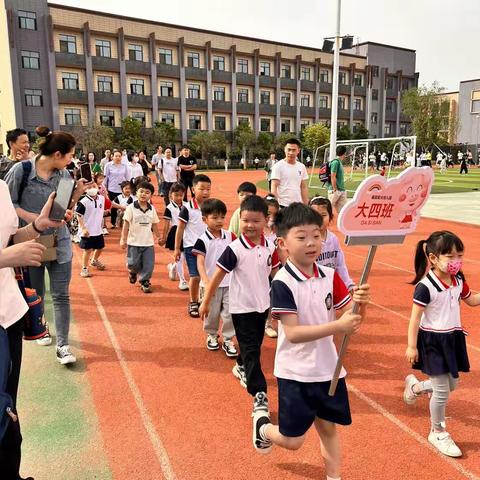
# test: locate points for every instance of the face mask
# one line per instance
(91, 192)
(452, 266)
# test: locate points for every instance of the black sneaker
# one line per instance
(261, 417)
(146, 286)
(212, 342)
(132, 277)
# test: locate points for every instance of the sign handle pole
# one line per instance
(356, 307)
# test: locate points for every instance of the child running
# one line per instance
(172, 212)
(244, 190)
(208, 249)
(139, 220)
(332, 255)
(250, 260)
(436, 339)
(122, 201)
(305, 297)
(190, 228)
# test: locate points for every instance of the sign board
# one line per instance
(387, 208)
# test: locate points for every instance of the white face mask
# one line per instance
(91, 192)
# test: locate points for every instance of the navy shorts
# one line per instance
(191, 260)
(300, 403)
(92, 243)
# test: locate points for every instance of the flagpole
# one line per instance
(336, 66)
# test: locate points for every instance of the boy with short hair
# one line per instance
(140, 222)
(304, 298)
(244, 190)
(208, 249)
(250, 260)
(190, 227)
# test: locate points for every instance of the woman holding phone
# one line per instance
(56, 150)
(115, 173)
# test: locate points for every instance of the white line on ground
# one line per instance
(147, 421)
(405, 428)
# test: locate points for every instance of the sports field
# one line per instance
(148, 401)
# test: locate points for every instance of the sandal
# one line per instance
(193, 309)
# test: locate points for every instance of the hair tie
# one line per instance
(49, 133)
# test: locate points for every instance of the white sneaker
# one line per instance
(85, 273)
(105, 232)
(183, 285)
(46, 340)
(409, 397)
(444, 443)
(270, 332)
(65, 356)
(172, 271)
(239, 372)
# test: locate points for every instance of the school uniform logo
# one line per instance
(269, 261)
(329, 301)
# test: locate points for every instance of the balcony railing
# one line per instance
(69, 60)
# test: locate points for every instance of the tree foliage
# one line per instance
(244, 136)
(344, 133)
(131, 134)
(315, 136)
(263, 145)
(97, 138)
(361, 133)
(162, 133)
(208, 145)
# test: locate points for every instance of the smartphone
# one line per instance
(86, 172)
(62, 199)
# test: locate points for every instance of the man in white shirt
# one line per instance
(169, 173)
(107, 158)
(156, 162)
(289, 177)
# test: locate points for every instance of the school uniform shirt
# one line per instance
(290, 180)
(172, 212)
(123, 200)
(140, 224)
(92, 209)
(212, 248)
(332, 256)
(169, 168)
(191, 216)
(314, 300)
(250, 267)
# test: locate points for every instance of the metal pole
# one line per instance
(336, 64)
(356, 307)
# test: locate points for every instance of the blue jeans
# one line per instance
(60, 275)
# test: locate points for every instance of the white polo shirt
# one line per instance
(441, 302)
(250, 266)
(140, 224)
(191, 215)
(290, 179)
(314, 300)
(123, 200)
(135, 170)
(92, 209)
(211, 248)
(172, 211)
(169, 169)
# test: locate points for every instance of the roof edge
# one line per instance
(385, 45)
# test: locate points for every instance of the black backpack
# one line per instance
(5, 165)
(325, 173)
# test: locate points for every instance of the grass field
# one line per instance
(450, 182)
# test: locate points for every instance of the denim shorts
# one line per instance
(191, 260)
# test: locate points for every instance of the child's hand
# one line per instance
(85, 233)
(162, 242)
(361, 294)
(177, 254)
(411, 354)
(204, 310)
(349, 323)
(123, 244)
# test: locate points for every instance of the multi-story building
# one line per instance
(450, 123)
(469, 112)
(68, 67)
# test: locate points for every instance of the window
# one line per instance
(168, 118)
(390, 83)
(375, 94)
(27, 20)
(218, 62)
(356, 126)
(220, 123)
(357, 103)
(404, 129)
(242, 95)
(105, 83)
(285, 99)
(265, 97)
(405, 83)
(323, 101)
(304, 124)
(323, 77)
(375, 71)
(135, 52)
(358, 79)
(107, 118)
(103, 48)
(265, 69)
(342, 103)
(374, 117)
(285, 126)
(140, 116)
(166, 89)
(242, 65)
(137, 86)
(219, 94)
(70, 81)
(243, 121)
(193, 59)
(305, 101)
(264, 124)
(342, 78)
(166, 57)
(305, 73)
(388, 129)
(33, 97)
(68, 44)
(72, 116)
(194, 91)
(286, 71)
(194, 122)
(390, 106)
(30, 60)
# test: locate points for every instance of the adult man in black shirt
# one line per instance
(187, 165)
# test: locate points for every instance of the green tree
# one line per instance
(208, 145)
(162, 133)
(427, 109)
(244, 137)
(131, 134)
(263, 145)
(97, 138)
(361, 133)
(315, 136)
(344, 133)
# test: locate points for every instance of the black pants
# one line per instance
(250, 329)
(10, 447)
(188, 182)
(269, 186)
(113, 213)
(463, 168)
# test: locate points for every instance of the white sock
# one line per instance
(333, 478)
(180, 274)
(422, 387)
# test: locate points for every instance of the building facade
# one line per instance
(469, 112)
(71, 67)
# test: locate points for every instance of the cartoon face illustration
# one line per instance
(412, 196)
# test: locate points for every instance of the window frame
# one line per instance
(217, 117)
(285, 99)
(101, 48)
(67, 77)
(263, 93)
(375, 94)
(283, 68)
(27, 21)
(263, 67)
(142, 120)
(168, 85)
(305, 72)
(137, 84)
(242, 65)
(72, 113)
(321, 76)
(28, 59)
(217, 61)
(241, 92)
(164, 54)
(374, 117)
(165, 118)
(305, 96)
(192, 58)
(357, 102)
(221, 91)
(68, 42)
(320, 101)
(111, 118)
(192, 87)
(283, 122)
(135, 50)
(262, 120)
(101, 81)
(358, 79)
(31, 95)
(342, 78)
(196, 118)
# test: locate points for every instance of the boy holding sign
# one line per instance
(304, 299)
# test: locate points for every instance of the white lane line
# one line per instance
(147, 421)
(405, 428)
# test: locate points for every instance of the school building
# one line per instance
(71, 68)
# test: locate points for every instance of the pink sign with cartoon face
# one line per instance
(384, 207)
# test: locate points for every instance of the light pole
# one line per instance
(336, 65)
